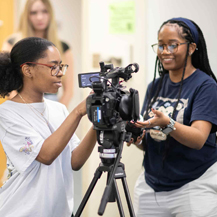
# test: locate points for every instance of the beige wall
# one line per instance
(131, 48)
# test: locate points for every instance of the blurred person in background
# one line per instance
(38, 20)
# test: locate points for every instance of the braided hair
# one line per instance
(199, 60)
(26, 50)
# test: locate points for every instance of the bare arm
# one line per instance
(68, 79)
(193, 136)
(56, 142)
(83, 151)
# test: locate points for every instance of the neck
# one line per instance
(27, 98)
(176, 76)
(40, 33)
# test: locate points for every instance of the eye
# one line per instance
(61, 66)
(160, 47)
(44, 11)
(54, 67)
(33, 12)
(172, 46)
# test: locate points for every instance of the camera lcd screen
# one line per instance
(84, 79)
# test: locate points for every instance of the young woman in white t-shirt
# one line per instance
(37, 134)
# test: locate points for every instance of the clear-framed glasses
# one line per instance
(55, 69)
(172, 48)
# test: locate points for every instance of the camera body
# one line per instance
(110, 107)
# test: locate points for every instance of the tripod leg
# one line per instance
(120, 207)
(127, 194)
(97, 175)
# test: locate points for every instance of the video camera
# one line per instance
(109, 108)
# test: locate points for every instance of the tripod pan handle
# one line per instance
(104, 200)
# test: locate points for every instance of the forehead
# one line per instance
(170, 32)
(51, 55)
(38, 5)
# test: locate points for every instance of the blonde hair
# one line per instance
(25, 28)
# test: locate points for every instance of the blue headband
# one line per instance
(191, 26)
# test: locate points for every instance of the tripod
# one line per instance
(111, 193)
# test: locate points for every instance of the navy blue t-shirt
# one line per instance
(182, 164)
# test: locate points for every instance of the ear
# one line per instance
(26, 71)
(192, 48)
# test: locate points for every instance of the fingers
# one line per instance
(130, 142)
(138, 141)
(140, 138)
(145, 124)
(156, 112)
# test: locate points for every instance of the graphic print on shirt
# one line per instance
(166, 106)
(27, 148)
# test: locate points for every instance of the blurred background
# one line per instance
(119, 32)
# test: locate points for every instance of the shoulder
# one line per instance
(12, 39)
(200, 78)
(5, 106)
(10, 112)
(157, 80)
(57, 106)
(65, 46)
(202, 86)
(200, 75)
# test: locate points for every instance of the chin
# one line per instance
(40, 28)
(167, 67)
(51, 91)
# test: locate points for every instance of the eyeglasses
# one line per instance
(172, 48)
(54, 69)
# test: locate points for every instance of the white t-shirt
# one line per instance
(34, 189)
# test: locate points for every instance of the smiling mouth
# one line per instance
(167, 59)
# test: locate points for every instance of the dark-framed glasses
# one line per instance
(55, 69)
(172, 48)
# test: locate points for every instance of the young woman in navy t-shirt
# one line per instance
(180, 113)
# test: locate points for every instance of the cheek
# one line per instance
(31, 19)
(180, 59)
(47, 18)
(44, 85)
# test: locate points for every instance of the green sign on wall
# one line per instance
(122, 17)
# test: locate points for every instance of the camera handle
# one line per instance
(115, 171)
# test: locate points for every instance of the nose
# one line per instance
(59, 73)
(40, 16)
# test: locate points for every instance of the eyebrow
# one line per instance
(171, 40)
(55, 62)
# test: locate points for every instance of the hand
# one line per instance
(159, 119)
(138, 141)
(82, 109)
